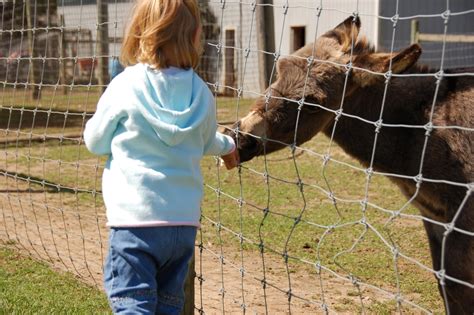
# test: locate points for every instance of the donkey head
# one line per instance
(309, 89)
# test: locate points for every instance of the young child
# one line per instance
(155, 121)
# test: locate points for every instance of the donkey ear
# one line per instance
(405, 59)
(380, 62)
(345, 33)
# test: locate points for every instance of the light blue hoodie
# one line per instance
(155, 125)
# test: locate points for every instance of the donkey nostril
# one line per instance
(237, 127)
(248, 147)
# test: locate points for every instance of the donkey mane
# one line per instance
(424, 85)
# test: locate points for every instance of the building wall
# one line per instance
(304, 13)
(376, 25)
(235, 16)
(85, 17)
(240, 18)
(456, 54)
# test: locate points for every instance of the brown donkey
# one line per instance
(448, 159)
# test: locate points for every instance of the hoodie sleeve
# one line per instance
(100, 128)
(217, 143)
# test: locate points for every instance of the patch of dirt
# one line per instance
(69, 233)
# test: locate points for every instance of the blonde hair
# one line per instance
(163, 32)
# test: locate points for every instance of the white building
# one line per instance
(297, 22)
(295, 25)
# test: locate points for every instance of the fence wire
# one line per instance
(305, 230)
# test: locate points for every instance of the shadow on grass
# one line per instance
(48, 186)
(28, 118)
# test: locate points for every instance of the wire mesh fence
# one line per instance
(306, 229)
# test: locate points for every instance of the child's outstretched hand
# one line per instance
(231, 160)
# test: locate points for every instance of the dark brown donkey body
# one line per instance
(448, 157)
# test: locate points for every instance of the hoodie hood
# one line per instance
(172, 101)
(155, 126)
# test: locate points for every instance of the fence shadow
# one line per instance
(28, 118)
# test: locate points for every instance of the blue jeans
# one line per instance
(146, 269)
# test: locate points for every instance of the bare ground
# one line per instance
(71, 236)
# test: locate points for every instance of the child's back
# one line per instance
(156, 124)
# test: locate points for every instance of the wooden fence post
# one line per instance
(415, 30)
(189, 289)
(265, 41)
(103, 43)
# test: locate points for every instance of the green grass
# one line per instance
(371, 260)
(31, 287)
(79, 98)
(347, 248)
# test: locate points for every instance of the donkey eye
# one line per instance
(311, 105)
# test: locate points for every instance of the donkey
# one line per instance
(313, 75)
